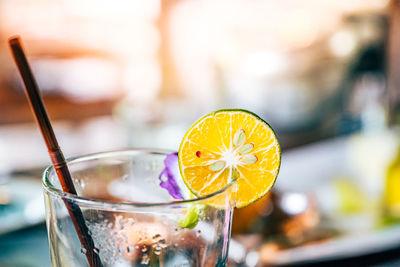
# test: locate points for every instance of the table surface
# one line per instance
(25, 248)
(29, 248)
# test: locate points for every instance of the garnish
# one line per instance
(228, 145)
(191, 218)
(169, 174)
(169, 181)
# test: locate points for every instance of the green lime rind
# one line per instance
(191, 217)
(231, 110)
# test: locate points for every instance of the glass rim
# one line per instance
(116, 205)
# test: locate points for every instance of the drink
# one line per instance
(140, 207)
(228, 158)
(132, 220)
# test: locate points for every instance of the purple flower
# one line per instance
(169, 174)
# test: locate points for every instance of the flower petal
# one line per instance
(169, 174)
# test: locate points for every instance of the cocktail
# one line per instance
(149, 207)
(132, 219)
(156, 208)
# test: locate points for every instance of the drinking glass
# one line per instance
(132, 220)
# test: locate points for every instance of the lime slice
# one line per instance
(229, 145)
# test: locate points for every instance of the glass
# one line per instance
(132, 220)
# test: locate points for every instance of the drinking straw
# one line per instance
(56, 155)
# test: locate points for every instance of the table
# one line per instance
(25, 248)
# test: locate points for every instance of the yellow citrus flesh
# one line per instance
(230, 145)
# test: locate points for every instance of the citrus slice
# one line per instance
(230, 145)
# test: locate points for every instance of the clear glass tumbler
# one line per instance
(131, 219)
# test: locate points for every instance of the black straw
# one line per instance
(56, 155)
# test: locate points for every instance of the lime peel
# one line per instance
(191, 217)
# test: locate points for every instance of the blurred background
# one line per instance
(131, 73)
